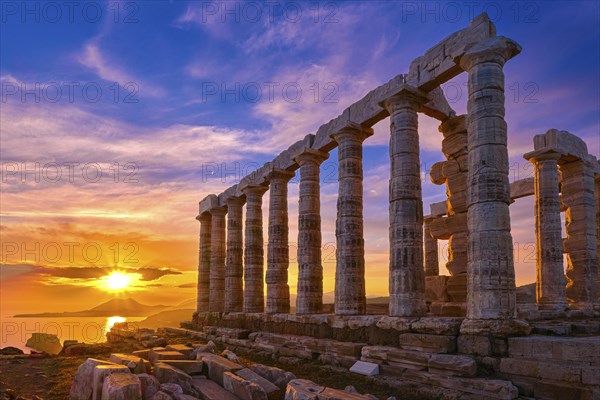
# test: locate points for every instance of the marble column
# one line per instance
(217, 260)
(204, 263)
(597, 195)
(278, 256)
(491, 270)
(407, 276)
(581, 243)
(254, 297)
(310, 269)
(432, 267)
(350, 292)
(551, 282)
(234, 267)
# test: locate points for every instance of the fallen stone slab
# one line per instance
(335, 394)
(100, 374)
(181, 348)
(190, 367)
(365, 368)
(277, 376)
(272, 391)
(166, 373)
(209, 390)
(243, 388)
(83, 383)
(303, 389)
(122, 386)
(161, 396)
(156, 356)
(145, 354)
(218, 365)
(134, 363)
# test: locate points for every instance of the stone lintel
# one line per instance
(546, 153)
(235, 200)
(285, 160)
(276, 173)
(437, 65)
(522, 188)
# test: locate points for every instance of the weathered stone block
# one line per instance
(100, 374)
(478, 345)
(243, 388)
(428, 343)
(168, 374)
(272, 391)
(181, 348)
(134, 363)
(365, 368)
(217, 366)
(452, 364)
(277, 376)
(119, 386)
(209, 390)
(156, 356)
(303, 389)
(437, 326)
(190, 367)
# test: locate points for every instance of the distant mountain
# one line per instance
(121, 307)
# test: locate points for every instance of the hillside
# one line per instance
(122, 307)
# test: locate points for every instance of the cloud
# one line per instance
(84, 273)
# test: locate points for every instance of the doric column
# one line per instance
(551, 282)
(432, 267)
(204, 263)
(254, 297)
(350, 292)
(581, 242)
(407, 277)
(278, 256)
(234, 268)
(217, 260)
(491, 270)
(597, 195)
(310, 269)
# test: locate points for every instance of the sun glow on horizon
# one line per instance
(116, 281)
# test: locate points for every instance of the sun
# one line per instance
(116, 281)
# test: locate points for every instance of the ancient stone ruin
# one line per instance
(463, 333)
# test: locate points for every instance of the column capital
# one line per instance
(354, 131)
(204, 217)
(498, 49)
(408, 97)
(309, 155)
(279, 174)
(217, 211)
(235, 201)
(255, 189)
(542, 155)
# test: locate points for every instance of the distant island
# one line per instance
(121, 307)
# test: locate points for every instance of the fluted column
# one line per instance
(407, 276)
(234, 268)
(432, 267)
(580, 244)
(350, 293)
(278, 257)
(217, 260)
(597, 195)
(310, 269)
(491, 270)
(204, 263)
(254, 297)
(551, 282)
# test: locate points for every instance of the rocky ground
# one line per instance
(49, 377)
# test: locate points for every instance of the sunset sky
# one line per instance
(118, 117)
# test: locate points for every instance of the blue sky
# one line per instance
(163, 68)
